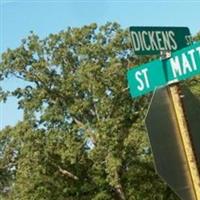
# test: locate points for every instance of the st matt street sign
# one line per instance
(182, 64)
(152, 40)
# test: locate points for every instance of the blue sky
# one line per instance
(18, 18)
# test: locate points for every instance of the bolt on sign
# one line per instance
(182, 64)
(152, 40)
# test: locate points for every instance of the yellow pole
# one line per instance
(185, 137)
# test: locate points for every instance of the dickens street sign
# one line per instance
(152, 40)
(182, 64)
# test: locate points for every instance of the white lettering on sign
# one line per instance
(175, 66)
(136, 41)
(159, 40)
(198, 49)
(145, 34)
(153, 40)
(166, 40)
(171, 36)
(141, 40)
(142, 78)
(184, 64)
(191, 53)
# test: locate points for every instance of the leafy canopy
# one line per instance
(82, 136)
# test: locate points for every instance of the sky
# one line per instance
(18, 18)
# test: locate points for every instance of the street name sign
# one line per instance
(152, 40)
(182, 64)
(145, 78)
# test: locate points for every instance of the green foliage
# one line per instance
(82, 136)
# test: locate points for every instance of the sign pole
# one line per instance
(185, 137)
(175, 95)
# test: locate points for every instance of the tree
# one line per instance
(82, 136)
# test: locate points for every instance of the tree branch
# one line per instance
(89, 130)
(119, 188)
(67, 173)
(119, 191)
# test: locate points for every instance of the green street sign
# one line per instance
(182, 64)
(146, 78)
(152, 40)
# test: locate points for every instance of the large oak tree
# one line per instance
(82, 137)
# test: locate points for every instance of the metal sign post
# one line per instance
(185, 139)
(174, 91)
